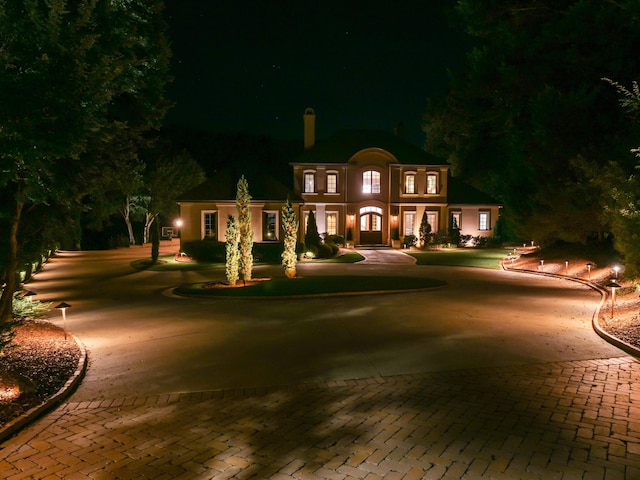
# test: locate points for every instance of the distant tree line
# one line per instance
(531, 121)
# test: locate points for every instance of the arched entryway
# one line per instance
(371, 226)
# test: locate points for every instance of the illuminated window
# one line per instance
(270, 226)
(432, 183)
(309, 182)
(483, 221)
(209, 224)
(371, 182)
(410, 183)
(332, 223)
(456, 220)
(432, 219)
(409, 223)
(332, 183)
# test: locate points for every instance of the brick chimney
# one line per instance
(309, 118)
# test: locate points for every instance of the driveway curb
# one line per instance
(17, 424)
(595, 321)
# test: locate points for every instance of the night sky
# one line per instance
(254, 66)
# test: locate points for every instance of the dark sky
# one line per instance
(254, 66)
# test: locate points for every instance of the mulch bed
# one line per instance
(34, 367)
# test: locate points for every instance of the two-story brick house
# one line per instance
(360, 184)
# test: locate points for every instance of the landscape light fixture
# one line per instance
(616, 268)
(613, 286)
(542, 265)
(566, 267)
(63, 307)
(589, 265)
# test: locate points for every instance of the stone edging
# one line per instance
(595, 321)
(15, 425)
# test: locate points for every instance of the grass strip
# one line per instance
(462, 257)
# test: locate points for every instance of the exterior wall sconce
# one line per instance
(394, 218)
(351, 217)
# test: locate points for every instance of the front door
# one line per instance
(370, 226)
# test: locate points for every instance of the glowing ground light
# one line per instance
(9, 393)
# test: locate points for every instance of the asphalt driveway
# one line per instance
(498, 375)
(145, 342)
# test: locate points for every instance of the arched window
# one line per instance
(371, 182)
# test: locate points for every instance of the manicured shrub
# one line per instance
(325, 251)
(334, 239)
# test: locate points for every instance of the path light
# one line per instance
(613, 286)
(63, 307)
(566, 267)
(616, 268)
(542, 265)
(589, 265)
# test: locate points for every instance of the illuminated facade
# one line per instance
(367, 186)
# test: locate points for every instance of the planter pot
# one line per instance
(396, 243)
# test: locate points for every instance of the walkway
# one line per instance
(568, 420)
(505, 380)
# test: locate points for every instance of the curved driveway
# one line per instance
(142, 341)
(496, 375)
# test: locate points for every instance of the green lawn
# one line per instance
(313, 285)
(462, 257)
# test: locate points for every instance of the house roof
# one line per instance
(339, 148)
(223, 187)
(460, 193)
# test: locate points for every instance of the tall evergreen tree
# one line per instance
(425, 229)
(312, 237)
(232, 253)
(290, 228)
(243, 204)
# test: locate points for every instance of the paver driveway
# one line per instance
(498, 375)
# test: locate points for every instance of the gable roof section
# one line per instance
(460, 193)
(339, 149)
(223, 187)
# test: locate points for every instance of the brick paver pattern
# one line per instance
(568, 420)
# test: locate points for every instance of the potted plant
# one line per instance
(395, 237)
(349, 238)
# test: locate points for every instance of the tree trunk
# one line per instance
(155, 242)
(6, 300)
(126, 213)
(148, 221)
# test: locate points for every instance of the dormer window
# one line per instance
(371, 182)
(432, 183)
(309, 182)
(410, 183)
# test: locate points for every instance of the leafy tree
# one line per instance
(312, 237)
(243, 203)
(425, 229)
(165, 179)
(531, 101)
(232, 252)
(114, 170)
(619, 189)
(290, 228)
(60, 74)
